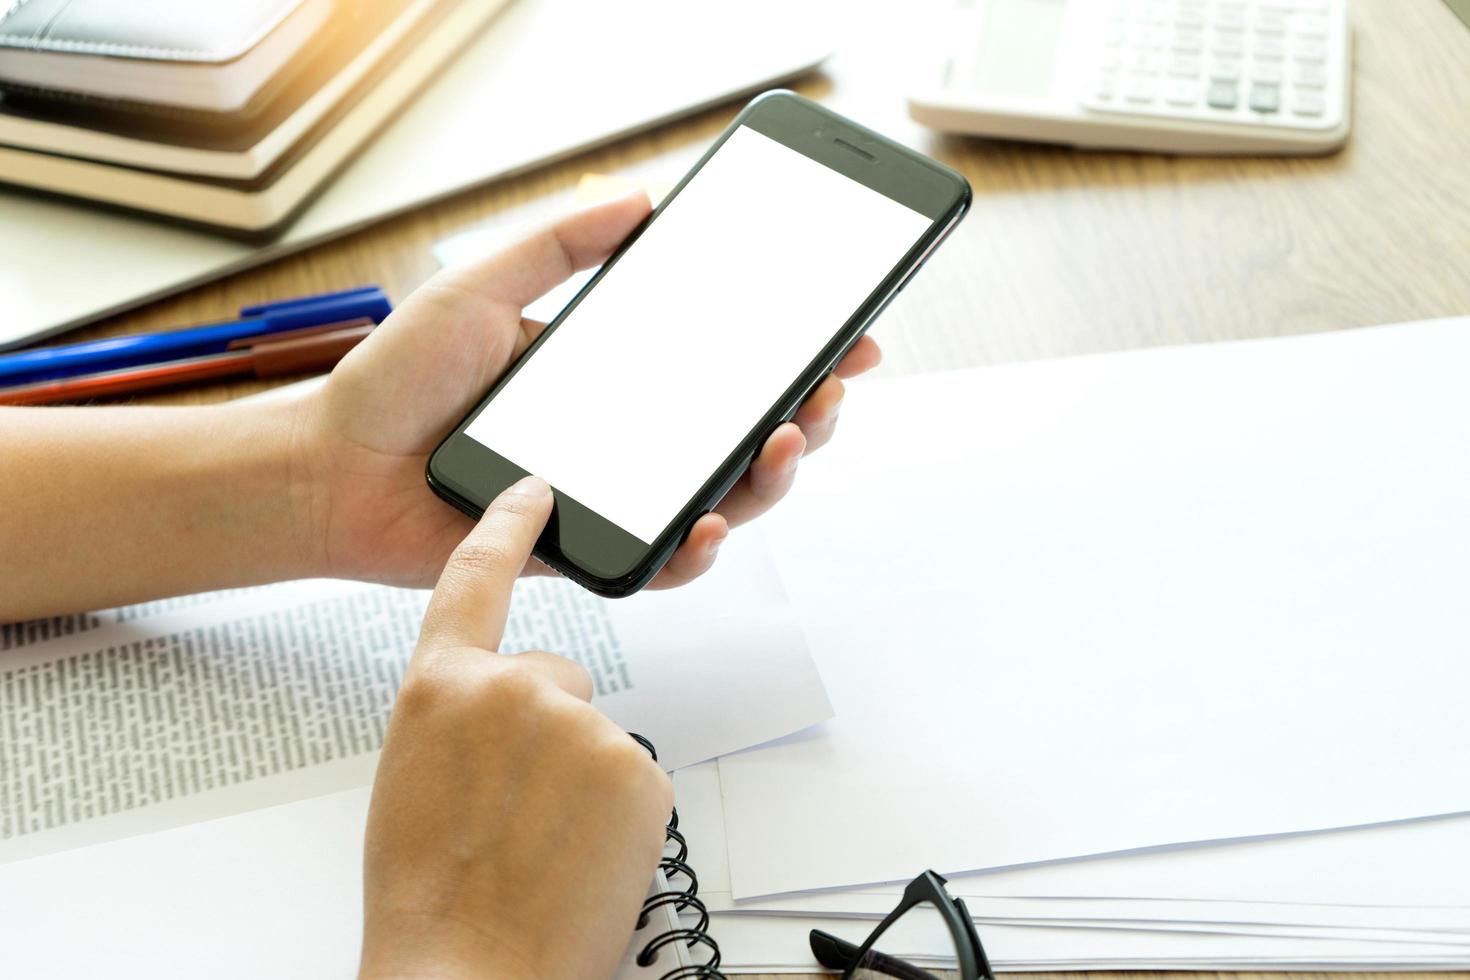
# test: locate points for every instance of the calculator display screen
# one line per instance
(695, 333)
(1018, 45)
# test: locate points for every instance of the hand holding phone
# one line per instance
(646, 399)
(362, 441)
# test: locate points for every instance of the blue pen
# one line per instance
(69, 360)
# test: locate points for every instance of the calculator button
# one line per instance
(1308, 104)
(1180, 92)
(1185, 68)
(1149, 38)
(1265, 98)
(1314, 52)
(1225, 70)
(1145, 62)
(1140, 90)
(1230, 19)
(1267, 72)
(1188, 42)
(1309, 76)
(1313, 27)
(1228, 44)
(1271, 23)
(1222, 95)
(1269, 49)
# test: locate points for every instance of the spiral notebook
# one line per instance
(665, 946)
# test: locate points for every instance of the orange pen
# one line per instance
(293, 352)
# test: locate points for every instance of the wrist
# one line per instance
(304, 478)
(263, 464)
(241, 472)
(404, 946)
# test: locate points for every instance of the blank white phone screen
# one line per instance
(673, 358)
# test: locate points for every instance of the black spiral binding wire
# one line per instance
(685, 900)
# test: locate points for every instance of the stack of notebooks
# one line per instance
(230, 114)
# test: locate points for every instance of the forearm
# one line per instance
(104, 506)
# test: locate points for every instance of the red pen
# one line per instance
(293, 352)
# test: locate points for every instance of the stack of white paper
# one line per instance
(1120, 643)
(1162, 657)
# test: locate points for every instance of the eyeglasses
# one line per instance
(926, 907)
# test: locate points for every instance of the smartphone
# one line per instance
(646, 398)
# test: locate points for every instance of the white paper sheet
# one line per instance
(757, 943)
(275, 892)
(1125, 601)
(1399, 876)
(1273, 886)
(1418, 866)
(982, 915)
(155, 716)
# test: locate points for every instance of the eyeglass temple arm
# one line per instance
(839, 954)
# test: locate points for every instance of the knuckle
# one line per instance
(508, 686)
(576, 673)
(558, 669)
(428, 684)
(581, 673)
(626, 761)
(662, 789)
(474, 557)
(419, 692)
(514, 505)
(481, 688)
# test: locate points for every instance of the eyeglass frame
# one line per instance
(836, 953)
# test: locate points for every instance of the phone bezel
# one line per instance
(590, 549)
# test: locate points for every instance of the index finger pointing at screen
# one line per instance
(472, 598)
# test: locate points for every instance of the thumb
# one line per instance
(471, 600)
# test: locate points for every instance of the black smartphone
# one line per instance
(650, 393)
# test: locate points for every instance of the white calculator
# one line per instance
(1174, 76)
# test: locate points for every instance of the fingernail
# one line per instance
(714, 546)
(529, 486)
(793, 463)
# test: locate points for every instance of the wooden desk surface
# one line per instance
(1067, 252)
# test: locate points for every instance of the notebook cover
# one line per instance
(202, 31)
(343, 38)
